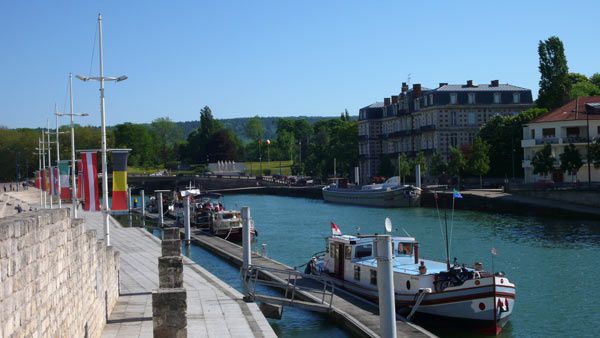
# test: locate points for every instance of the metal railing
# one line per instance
(317, 285)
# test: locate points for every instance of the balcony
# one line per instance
(575, 139)
(528, 143)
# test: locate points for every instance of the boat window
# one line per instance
(405, 248)
(228, 216)
(332, 249)
(356, 272)
(348, 252)
(374, 277)
(363, 250)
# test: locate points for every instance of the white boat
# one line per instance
(469, 296)
(387, 195)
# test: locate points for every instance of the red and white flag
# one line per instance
(90, 181)
(335, 230)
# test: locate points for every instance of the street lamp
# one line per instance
(101, 79)
(74, 201)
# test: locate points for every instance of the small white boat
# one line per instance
(387, 195)
(469, 296)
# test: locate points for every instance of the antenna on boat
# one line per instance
(388, 225)
(406, 232)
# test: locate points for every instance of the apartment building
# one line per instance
(566, 125)
(432, 120)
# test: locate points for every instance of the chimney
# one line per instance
(404, 87)
(469, 83)
(416, 90)
(494, 83)
(443, 84)
(394, 99)
(386, 101)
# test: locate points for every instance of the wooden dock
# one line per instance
(355, 313)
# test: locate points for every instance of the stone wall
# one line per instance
(582, 197)
(56, 278)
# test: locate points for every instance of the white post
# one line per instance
(40, 171)
(49, 161)
(246, 243)
(103, 129)
(334, 167)
(74, 201)
(44, 168)
(143, 204)
(160, 209)
(263, 250)
(385, 285)
(418, 175)
(186, 219)
(356, 177)
(129, 199)
(57, 158)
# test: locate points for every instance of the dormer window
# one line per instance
(431, 99)
(416, 104)
(471, 98)
(453, 98)
(516, 97)
(497, 97)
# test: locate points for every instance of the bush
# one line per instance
(267, 172)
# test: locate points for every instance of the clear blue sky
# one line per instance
(271, 58)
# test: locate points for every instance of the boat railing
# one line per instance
(292, 282)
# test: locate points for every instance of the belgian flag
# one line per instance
(119, 180)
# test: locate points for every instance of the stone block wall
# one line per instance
(56, 278)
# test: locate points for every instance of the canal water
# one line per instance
(553, 262)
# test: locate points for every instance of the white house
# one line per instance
(559, 128)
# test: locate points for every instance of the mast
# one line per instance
(446, 234)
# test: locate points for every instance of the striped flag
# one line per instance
(335, 230)
(38, 179)
(79, 180)
(119, 180)
(55, 191)
(44, 180)
(65, 190)
(90, 181)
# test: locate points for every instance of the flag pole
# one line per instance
(447, 249)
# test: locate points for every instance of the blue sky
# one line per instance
(271, 58)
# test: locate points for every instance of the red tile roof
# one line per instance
(568, 113)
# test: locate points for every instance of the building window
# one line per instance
(471, 98)
(374, 277)
(363, 250)
(453, 119)
(431, 99)
(497, 97)
(548, 132)
(357, 272)
(453, 140)
(516, 98)
(453, 98)
(533, 133)
(471, 118)
(416, 104)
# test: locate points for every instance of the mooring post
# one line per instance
(160, 210)
(418, 175)
(246, 243)
(385, 285)
(129, 202)
(186, 219)
(143, 204)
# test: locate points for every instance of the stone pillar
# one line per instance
(169, 302)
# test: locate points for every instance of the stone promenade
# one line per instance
(214, 309)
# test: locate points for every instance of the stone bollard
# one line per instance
(169, 302)
(169, 313)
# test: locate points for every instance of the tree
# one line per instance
(386, 168)
(254, 129)
(422, 161)
(222, 146)
(166, 135)
(570, 160)
(403, 167)
(196, 150)
(555, 85)
(438, 165)
(479, 163)
(504, 134)
(457, 163)
(595, 79)
(137, 137)
(542, 161)
(595, 153)
(584, 88)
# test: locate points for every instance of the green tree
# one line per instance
(403, 165)
(479, 163)
(585, 88)
(555, 85)
(421, 160)
(595, 79)
(570, 160)
(223, 146)
(595, 153)
(166, 135)
(542, 161)
(137, 137)
(254, 129)
(386, 167)
(438, 165)
(457, 163)
(504, 135)
(196, 149)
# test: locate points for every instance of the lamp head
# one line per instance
(121, 78)
(82, 78)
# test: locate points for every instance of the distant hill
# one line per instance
(238, 125)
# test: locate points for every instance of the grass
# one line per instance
(253, 168)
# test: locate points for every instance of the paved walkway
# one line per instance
(214, 308)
